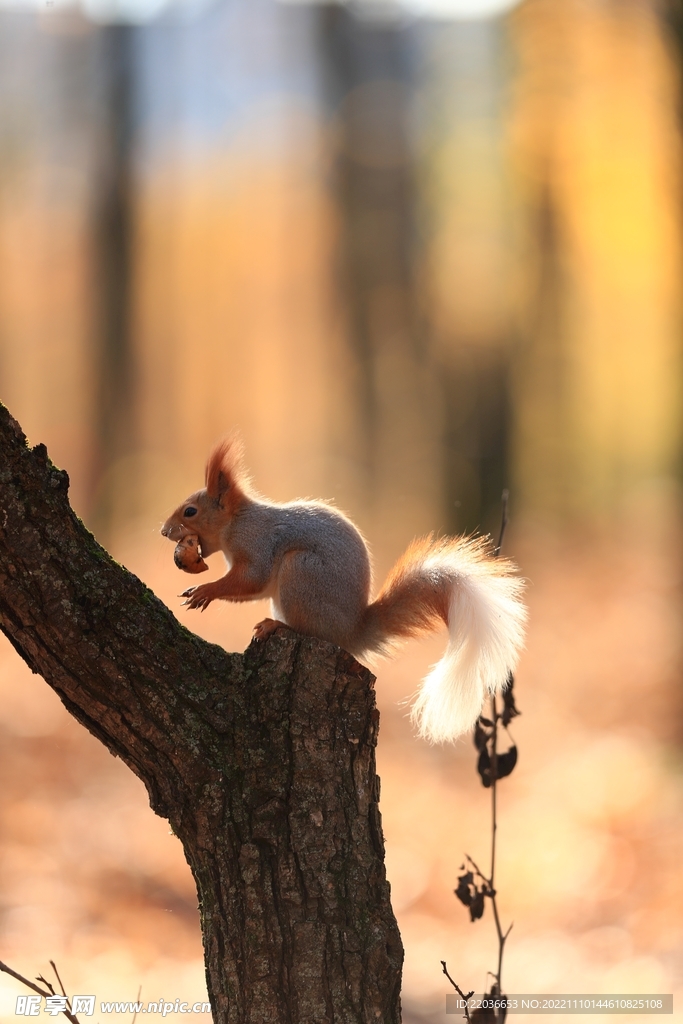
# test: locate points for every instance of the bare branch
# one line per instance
(136, 1002)
(41, 992)
(459, 990)
(486, 741)
(53, 965)
(504, 521)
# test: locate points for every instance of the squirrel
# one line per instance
(314, 565)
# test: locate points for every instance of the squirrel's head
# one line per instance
(207, 512)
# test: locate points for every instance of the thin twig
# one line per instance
(138, 1000)
(61, 984)
(53, 965)
(41, 992)
(24, 981)
(503, 522)
(502, 936)
(489, 886)
(460, 992)
(478, 871)
(494, 829)
(494, 779)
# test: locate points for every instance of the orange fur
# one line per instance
(226, 479)
(236, 585)
(416, 595)
(409, 604)
(314, 565)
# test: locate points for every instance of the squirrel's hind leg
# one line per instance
(317, 597)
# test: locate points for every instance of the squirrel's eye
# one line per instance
(190, 511)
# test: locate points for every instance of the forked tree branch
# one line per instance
(263, 763)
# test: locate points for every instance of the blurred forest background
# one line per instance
(414, 259)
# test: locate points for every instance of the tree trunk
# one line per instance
(112, 241)
(263, 763)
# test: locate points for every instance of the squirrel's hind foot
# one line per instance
(266, 627)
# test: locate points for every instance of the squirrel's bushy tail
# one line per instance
(478, 597)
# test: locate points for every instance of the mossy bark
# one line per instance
(263, 763)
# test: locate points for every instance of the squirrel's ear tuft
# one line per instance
(224, 468)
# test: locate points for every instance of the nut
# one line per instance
(187, 555)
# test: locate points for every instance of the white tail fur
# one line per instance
(486, 620)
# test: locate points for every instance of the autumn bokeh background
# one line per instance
(414, 258)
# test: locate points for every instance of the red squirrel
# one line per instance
(314, 565)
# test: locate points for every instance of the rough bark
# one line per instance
(263, 763)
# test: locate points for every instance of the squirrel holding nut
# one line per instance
(314, 565)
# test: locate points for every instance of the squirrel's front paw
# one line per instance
(198, 597)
